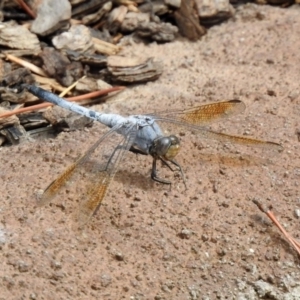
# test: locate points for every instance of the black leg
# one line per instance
(181, 172)
(166, 164)
(177, 165)
(154, 176)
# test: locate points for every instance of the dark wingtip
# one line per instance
(280, 148)
(276, 146)
(236, 101)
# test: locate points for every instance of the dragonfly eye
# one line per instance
(174, 140)
(167, 147)
(161, 146)
(173, 148)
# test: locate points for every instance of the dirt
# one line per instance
(147, 241)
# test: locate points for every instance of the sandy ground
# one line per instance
(147, 241)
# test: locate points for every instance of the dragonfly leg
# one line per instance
(178, 167)
(166, 164)
(154, 175)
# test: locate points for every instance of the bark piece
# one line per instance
(5, 68)
(105, 47)
(51, 15)
(102, 85)
(214, 11)
(87, 7)
(78, 38)
(59, 66)
(129, 70)
(133, 20)
(284, 3)
(89, 84)
(32, 120)
(91, 59)
(12, 97)
(15, 134)
(2, 140)
(86, 85)
(16, 76)
(62, 119)
(98, 15)
(160, 32)
(19, 53)
(157, 8)
(174, 3)
(18, 37)
(7, 121)
(187, 20)
(116, 18)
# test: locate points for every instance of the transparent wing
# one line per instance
(198, 116)
(103, 177)
(235, 139)
(93, 171)
(203, 114)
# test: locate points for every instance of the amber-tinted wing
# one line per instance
(99, 186)
(203, 114)
(96, 171)
(196, 117)
(223, 137)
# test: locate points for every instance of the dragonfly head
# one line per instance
(166, 147)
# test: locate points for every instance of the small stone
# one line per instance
(57, 275)
(270, 61)
(23, 266)
(297, 213)
(50, 15)
(138, 277)
(265, 290)
(271, 92)
(119, 256)
(221, 251)
(56, 265)
(32, 296)
(185, 233)
(204, 237)
(105, 280)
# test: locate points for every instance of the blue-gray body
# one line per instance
(147, 129)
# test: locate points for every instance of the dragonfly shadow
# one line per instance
(134, 179)
(234, 160)
(142, 181)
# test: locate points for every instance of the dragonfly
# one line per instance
(139, 134)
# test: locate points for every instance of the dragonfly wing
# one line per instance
(196, 117)
(96, 169)
(203, 114)
(235, 139)
(51, 191)
(103, 177)
(55, 186)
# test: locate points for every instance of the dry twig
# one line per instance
(26, 8)
(272, 217)
(77, 98)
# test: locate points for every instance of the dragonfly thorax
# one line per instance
(166, 147)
